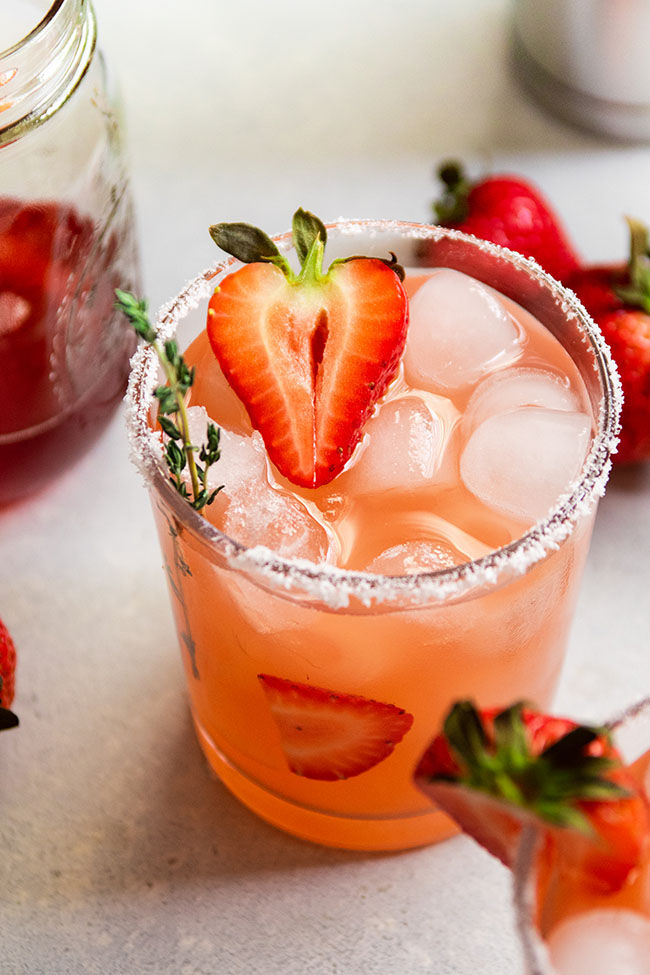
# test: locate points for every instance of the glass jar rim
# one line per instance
(335, 586)
(41, 70)
(38, 28)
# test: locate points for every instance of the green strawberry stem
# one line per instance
(452, 206)
(7, 718)
(172, 403)
(251, 245)
(637, 291)
(551, 784)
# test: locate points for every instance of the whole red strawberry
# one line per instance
(507, 211)
(7, 675)
(618, 298)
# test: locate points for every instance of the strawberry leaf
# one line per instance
(7, 719)
(306, 228)
(569, 749)
(452, 205)
(247, 243)
(636, 291)
(465, 733)
(502, 763)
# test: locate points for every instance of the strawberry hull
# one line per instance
(315, 689)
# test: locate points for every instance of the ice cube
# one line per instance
(415, 556)
(459, 329)
(242, 460)
(258, 514)
(606, 941)
(431, 543)
(520, 462)
(513, 388)
(249, 508)
(402, 448)
(212, 390)
(14, 311)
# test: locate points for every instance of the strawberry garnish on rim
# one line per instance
(308, 353)
(329, 736)
(497, 770)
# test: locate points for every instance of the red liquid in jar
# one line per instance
(63, 349)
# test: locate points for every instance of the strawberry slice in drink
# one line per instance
(308, 353)
(495, 771)
(330, 736)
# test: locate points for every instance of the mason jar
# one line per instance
(67, 240)
(587, 62)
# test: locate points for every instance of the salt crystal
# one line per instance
(606, 941)
(521, 462)
(458, 330)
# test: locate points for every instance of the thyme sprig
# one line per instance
(180, 452)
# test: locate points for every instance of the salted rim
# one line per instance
(536, 954)
(330, 584)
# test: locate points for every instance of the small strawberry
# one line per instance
(618, 298)
(507, 211)
(495, 771)
(309, 354)
(331, 736)
(7, 671)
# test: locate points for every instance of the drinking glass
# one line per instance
(631, 734)
(67, 239)
(494, 629)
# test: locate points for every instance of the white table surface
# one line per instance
(119, 851)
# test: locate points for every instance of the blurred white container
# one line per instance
(588, 61)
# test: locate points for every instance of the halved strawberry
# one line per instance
(495, 771)
(331, 736)
(309, 354)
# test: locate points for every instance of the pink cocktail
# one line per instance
(326, 631)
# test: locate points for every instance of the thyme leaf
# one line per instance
(180, 452)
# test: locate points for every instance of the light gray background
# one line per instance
(119, 852)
